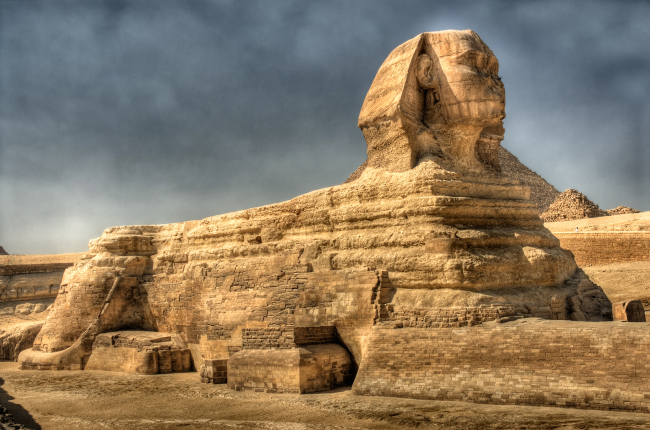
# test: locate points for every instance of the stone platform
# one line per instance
(139, 352)
(600, 365)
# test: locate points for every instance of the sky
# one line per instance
(131, 112)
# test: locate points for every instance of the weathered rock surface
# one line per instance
(429, 235)
(17, 338)
(431, 210)
(541, 192)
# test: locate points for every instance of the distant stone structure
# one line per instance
(28, 277)
(630, 311)
(428, 274)
(622, 210)
(541, 192)
(28, 285)
(572, 205)
(2, 251)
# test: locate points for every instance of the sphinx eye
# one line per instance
(493, 66)
(480, 61)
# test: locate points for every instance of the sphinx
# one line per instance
(427, 235)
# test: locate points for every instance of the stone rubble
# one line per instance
(621, 210)
(572, 205)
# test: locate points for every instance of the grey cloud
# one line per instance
(134, 112)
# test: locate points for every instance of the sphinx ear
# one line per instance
(424, 72)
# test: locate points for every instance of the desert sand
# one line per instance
(97, 399)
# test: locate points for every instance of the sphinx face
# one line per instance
(470, 89)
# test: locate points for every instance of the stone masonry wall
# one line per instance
(600, 365)
(29, 277)
(286, 337)
(267, 338)
(315, 335)
(128, 360)
(606, 248)
(306, 369)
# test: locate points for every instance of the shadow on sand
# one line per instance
(20, 414)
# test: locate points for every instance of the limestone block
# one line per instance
(298, 370)
(578, 316)
(139, 352)
(186, 360)
(165, 361)
(177, 360)
(631, 311)
(40, 307)
(24, 309)
(128, 360)
(214, 371)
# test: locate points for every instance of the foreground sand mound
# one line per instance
(572, 205)
(636, 222)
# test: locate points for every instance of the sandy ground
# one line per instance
(105, 400)
(627, 222)
(623, 281)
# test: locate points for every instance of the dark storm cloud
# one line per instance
(144, 112)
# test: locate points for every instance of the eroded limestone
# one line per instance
(428, 235)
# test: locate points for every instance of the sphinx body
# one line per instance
(426, 234)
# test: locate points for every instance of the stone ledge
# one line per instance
(597, 365)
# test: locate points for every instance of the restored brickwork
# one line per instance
(529, 362)
(139, 352)
(298, 370)
(214, 371)
(597, 248)
(630, 311)
(266, 338)
(287, 337)
(315, 335)
(454, 317)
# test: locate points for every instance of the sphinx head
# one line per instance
(432, 86)
(461, 75)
